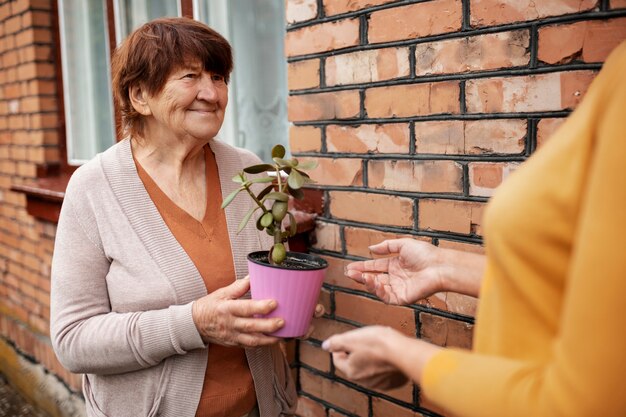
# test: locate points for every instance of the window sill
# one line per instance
(45, 196)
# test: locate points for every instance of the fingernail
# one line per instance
(280, 322)
(325, 345)
(273, 304)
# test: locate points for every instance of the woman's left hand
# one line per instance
(363, 356)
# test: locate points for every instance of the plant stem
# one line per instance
(247, 187)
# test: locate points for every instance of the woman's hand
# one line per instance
(363, 355)
(224, 319)
(411, 275)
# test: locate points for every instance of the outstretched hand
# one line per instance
(411, 275)
(222, 318)
(362, 355)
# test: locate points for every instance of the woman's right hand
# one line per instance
(222, 318)
(411, 275)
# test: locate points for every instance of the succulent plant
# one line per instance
(288, 179)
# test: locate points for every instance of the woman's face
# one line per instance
(192, 103)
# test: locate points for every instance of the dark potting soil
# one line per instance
(298, 261)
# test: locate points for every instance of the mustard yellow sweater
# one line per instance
(550, 336)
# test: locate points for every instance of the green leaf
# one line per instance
(307, 165)
(283, 162)
(294, 162)
(257, 169)
(231, 196)
(304, 174)
(293, 226)
(278, 151)
(239, 178)
(261, 180)
(267, 219)
(265, 191)
(246, 218)
(295, 180)
(286, 169)
(297, 194)
(277, 196)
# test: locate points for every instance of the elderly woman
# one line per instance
(142, 240)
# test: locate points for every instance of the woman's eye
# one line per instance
(190, 75)
(216, 77)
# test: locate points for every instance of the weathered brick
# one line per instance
(485, 177)
(323, 37)
(372, 208)
(381, 138)
(324, 106)
(443, 331)
(359, 239)
(416, 176)
(415, 21)
(303, 74)
(334, 393)
(335, 273)
(333, 7)
(451, 216)
(383, 408)
(325, 328)
(545, 129)
(618, 4)
(587, 41)
(413, 99)
(327, 236)
(496, 12)
(543, 92)
(309, 408)
(367, 311)
(337, 171)
(475, 53)
(314, 357)
(367, 66)
(300, 10)
(452, 137)
(305, 139)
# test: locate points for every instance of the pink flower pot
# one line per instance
(295, 286)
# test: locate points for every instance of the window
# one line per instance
(256, 115)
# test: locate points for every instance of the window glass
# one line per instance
(130, 14)
(258, 92)
(86, 78)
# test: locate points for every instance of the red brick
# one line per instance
(309, 408)
(335, 274)
(587, 41)
(305, 139)
(367, 66)
(324, 106)
(383, 408)
(451, 216)
(325, 328)
(37, 18)
(333, 7)
(475, 53)
(416, 176)
(334, 393)
(545, 129)
(415, 21)
(496, 12)
(372, 312)
(314, 357)
(372, 208)
(323, 37)
(385, 138)
(300, 10)
(303, 74)
(485, 177)
(618, 4)
(327, 236)
(443, 331)
(13, 24)
(543, 92)
(452, 137)
(358, 240)
(325, 300)
(465, 247)
(337, 171)
(453, 302)
(413, 99)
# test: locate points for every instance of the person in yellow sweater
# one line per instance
(549, 338)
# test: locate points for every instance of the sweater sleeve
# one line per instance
(589, 352)
(86, 335)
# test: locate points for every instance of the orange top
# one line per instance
(228, 388)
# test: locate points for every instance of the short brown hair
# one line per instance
(150, 54)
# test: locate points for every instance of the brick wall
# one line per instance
(28, 139)
(416, 111)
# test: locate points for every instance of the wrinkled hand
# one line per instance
(362, 355)
(319, 312)
(411, 275)
(222, 318)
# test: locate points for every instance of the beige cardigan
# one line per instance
(122, 289)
